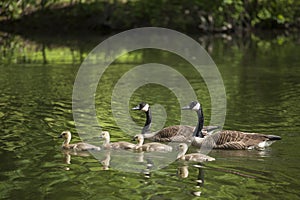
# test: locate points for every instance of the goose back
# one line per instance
(229, 139)
(177, 133)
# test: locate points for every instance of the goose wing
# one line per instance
(239, 140)
(176, 133)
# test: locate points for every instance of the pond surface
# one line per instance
(262, 81)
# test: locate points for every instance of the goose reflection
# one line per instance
(124, 160)
(67, 155)
(106, 161)
(183, 172)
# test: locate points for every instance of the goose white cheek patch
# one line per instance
(145, 108)
(196, 107)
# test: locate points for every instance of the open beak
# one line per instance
(136, 108)
(186, 108)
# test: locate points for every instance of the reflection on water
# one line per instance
(183, 172)
(261, 77)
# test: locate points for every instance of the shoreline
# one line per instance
(109, 18)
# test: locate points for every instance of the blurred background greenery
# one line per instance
(182, 15)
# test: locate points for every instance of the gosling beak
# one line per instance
(136, 108)
(186, 108)
(133, 139)
(60, 136)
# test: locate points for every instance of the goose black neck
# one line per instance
(198, 130)
(147, 125)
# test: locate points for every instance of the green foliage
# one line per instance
(206, 15)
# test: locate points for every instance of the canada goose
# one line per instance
(177, 133)
(228, 139)
(115, 145)
(152, 146)
(66, 135)
(236, 140)
(196, 157)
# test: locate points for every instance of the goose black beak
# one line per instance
(186, 108)
(60, 136)
(136, 108)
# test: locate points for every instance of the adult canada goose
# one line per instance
(177, 133)
(196, 157)
(81, 146)
(228, 139)
(115, 145)
(152, 146)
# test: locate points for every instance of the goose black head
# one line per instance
(194, 105)
(142, 106)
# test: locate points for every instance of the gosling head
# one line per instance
(138, 138)
(142, 106)
(182, 147)
(65, 135)
(194, 105)
(104, 134)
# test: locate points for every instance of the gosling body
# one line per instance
(81, 146)
(115, 145)
(195, 157)
(152, 146)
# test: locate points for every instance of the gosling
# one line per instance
(81, 146)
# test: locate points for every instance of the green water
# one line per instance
(262, 81)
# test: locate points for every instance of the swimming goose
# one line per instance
(66, 135)
(196, 157)
(228, 139)
(115, 145)
(152, 146)
(177, 133)
(236, 140)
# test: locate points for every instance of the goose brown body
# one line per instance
(229, 139)
(176, 133)
(81, 146)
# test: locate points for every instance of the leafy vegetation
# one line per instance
(185, 15)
